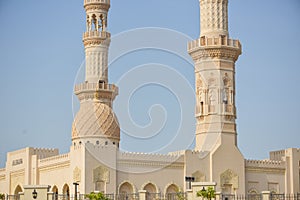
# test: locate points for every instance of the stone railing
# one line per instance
(96, 34)
(206, 42)
(95, 87)
(96, 1)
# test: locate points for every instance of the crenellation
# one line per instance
(147, 156)
(277, 155)
(265, 163)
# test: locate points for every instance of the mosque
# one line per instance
(95, 162)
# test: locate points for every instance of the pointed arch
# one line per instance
(171, 188)
(252, 191)
(55, 192)
(150, 187)
(66, 191)
(126, 187)
(18, 189)
(229, 181)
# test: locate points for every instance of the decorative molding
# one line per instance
(77, 175)
(130, 183)
(230, 53)
(229, 178)
(54, 166)
(96, 6)
(153, 164)
(150, 182)
(170, 184)
(100, 174)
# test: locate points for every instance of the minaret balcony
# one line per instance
(96, 35)
(213, 42)
(96, 87)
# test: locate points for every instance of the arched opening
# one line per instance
(18, 189)
(150, 188)
(126, 188)
(66, 192)
(172, 192)
(94, 23)
(151, 191)
(172, 189)
(125, 191)
(55, 192)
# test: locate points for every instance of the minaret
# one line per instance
(214, 54)
(96, 122)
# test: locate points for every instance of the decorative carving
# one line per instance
(199, 177)
(77, 174)
(229, 178)
(224, 52)
(227, 81)
(212, 97)
(101, 174)
(97, 7)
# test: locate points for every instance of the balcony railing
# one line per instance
(96, 34)
(221, 41)
(95, 87)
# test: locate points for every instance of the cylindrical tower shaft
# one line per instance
(214, 18)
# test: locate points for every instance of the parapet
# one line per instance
(44, 152)
(148, 157)
(265, 163)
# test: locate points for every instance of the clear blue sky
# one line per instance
(41, 52)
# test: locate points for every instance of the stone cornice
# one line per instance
(266, 170)
(96, 6)
(96, 41)
(152, 164)
(20, 172)
(219, 52)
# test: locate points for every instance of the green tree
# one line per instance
(98, 196)
(207, 194)
(2, 196)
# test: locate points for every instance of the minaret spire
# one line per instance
(214, 55)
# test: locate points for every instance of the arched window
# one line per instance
(66, 192)
(55, 192)
(18, 189)
(172, 192)
(125, 191)
(150, 188)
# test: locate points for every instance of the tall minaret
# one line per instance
(215, 54)
(96, 122)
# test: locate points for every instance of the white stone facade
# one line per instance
(97, 164)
